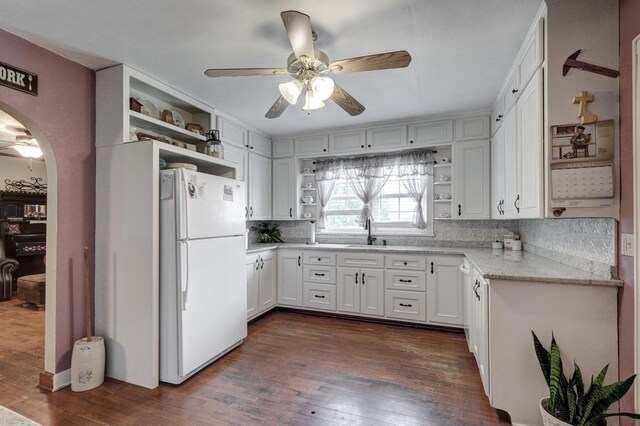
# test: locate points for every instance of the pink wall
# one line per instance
(629, 29)
(64, 111)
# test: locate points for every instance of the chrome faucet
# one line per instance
(370, 239)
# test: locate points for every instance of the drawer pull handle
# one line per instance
(299, 260)
(405, 281)
(318, 275)
(432, 267)
(318, 296)
(363, 278)
(257, 264)
(356, 278)
(406, 305)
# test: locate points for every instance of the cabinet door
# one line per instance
(530, 146)
(372, 292)
(387, 138)
(340, 143)
(267, 281)
(240, 157)
(472, 128)
(282, 148)
(497, 114)
(445, 303)
(284, 189)
(290, 278)
(232, 133)
(510, 165)
(251, 266)
(532, 55)
(260, 144)
(431, 133)
(497, 174)
(510, 94)
(483, 334)
(260, 187)
(472, 180)
(311, 145)
(348, 286)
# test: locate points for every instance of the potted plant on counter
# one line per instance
(269, 233)
(568, 402)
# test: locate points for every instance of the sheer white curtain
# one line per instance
(415, 170)
(327, 171)
(367, 176)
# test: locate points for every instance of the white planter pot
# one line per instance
(547, 418)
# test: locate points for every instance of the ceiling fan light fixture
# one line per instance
(291, 90)
(311, 101)
(322, 87)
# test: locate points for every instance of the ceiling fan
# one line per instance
(21, 140)
(310, 69)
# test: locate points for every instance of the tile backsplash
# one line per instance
(585, 243)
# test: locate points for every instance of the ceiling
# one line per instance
(461, 49)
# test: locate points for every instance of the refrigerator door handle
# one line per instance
(185, 281)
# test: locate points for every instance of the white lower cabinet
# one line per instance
(290, 278)
(261, 282)
(360, 290)
(479, 325)
(406, 305)
(319, 296)
(445, 303)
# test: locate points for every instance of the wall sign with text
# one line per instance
(18, 79)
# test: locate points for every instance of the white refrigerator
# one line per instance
(203, 302)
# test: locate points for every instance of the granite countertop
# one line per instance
(492, 264)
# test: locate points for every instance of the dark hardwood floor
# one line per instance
(292, 369)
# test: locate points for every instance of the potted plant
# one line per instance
(269, 233)
(568, 402)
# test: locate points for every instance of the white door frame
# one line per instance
(52, 235)
(635, 56)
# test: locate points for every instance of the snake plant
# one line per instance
(568, 400)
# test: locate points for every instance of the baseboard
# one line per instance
(54, 382)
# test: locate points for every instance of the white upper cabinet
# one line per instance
(530, 149)
(431, 133)
(284, 189)
(390, 137)
(472, 128)
(232, 133)
(497, 174)
(472, 172)
(282, 148)
(532, 54)
(511, 90)
(510, 166)
(260, 144)
(311, 145)
(497, 114)
(347, 142)
(259, 187)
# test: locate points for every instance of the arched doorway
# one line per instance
(51, 232)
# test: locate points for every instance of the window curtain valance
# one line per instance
(368, 174)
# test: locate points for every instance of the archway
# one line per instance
(51, 241)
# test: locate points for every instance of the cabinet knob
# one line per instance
(405, 263)
(499, 117)
(369, 146)
(324, 149)
(514, 91)
(361, 146)
(410, 141)
(319, 259)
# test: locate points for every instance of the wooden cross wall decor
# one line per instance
(584, 115)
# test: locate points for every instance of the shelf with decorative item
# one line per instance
(309, 174)
(442, 183)
(146, 122)
(309, 204)
(308, 189)
(440, 165)
(441, 201)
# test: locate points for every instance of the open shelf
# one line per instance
(441, 201)
(145, 122)
(309, 204)
(308, 189)
(308, 174)
(437, 166)
(442, 183)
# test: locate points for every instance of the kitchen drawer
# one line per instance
(408, 305)
(320, 274)
(361, 260)
(405, 280)
(319, 296)
(319, 258)
(405, 262)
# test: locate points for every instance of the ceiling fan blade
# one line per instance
(346, 101)
(381, 61)
(298, 26)
(278, 107)
(244, 72)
